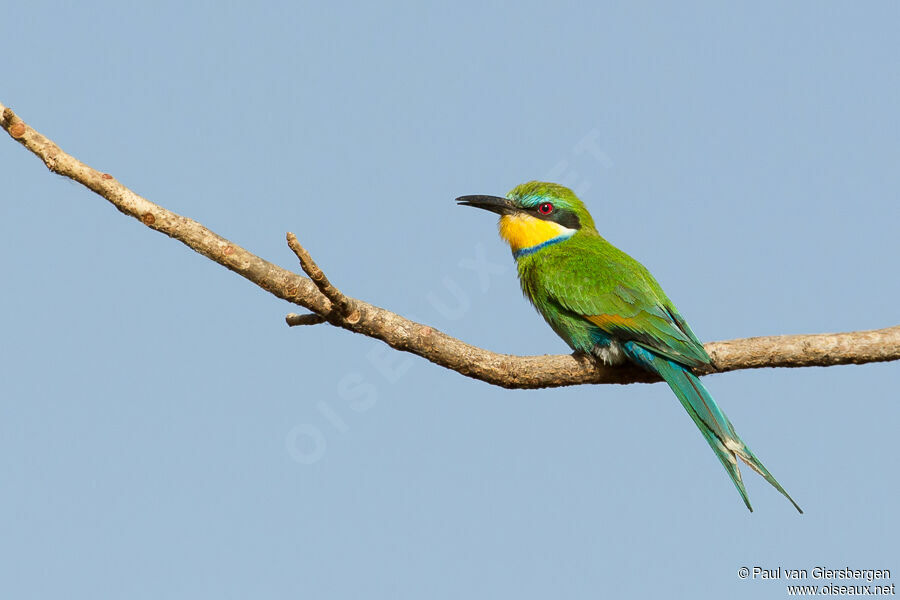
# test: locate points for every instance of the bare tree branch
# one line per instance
(328, 304)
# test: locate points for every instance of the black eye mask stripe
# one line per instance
(562, 216)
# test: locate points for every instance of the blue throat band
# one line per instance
(527, 251)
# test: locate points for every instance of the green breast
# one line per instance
(586, 276)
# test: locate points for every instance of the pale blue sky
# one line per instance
(158, 416)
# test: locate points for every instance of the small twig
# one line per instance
(344, 305)
(293, 319)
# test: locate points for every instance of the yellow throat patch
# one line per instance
(524, 231)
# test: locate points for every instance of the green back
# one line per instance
(585, 287)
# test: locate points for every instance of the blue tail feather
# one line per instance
(708, 417)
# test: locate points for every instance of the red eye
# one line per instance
(546, 208)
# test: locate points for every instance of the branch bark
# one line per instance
(327, 303)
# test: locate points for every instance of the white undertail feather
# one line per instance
(610, 355)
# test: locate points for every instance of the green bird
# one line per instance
(604, 303)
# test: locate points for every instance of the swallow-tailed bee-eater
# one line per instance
(604, 303)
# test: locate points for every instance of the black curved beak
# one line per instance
(495, 204)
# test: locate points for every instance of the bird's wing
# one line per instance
(618, 295)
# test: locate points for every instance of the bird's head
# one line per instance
(535, 213)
